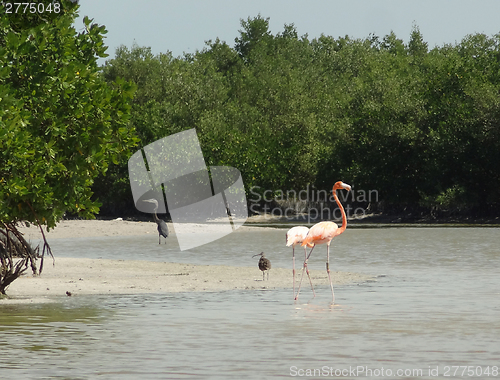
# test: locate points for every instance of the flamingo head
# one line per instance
(341, 185)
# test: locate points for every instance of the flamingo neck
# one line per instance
(344, 217)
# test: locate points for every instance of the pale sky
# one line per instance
(184, 25)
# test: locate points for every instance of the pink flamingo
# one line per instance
(324, 232)
(294, 236)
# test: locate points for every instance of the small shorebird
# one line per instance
(264, 264)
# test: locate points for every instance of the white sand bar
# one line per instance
(102, 276)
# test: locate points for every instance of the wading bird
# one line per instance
(295, 236)
(162, 226)
(264, 264)
(324, 232)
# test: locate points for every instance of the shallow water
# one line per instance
(434, 305)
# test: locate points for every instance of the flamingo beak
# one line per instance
(346, 186)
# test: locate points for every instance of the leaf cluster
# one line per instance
(61, 124)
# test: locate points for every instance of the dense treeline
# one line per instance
(419, 125)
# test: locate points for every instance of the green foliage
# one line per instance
(61, 123)
(419, 126)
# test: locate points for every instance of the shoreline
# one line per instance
(103, 276)
(77, 228)
(82, 276)
(376, 220)
(85, 276)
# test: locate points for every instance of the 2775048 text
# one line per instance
(17, 8)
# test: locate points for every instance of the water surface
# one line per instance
(434, 304)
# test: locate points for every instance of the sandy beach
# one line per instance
(78, 276)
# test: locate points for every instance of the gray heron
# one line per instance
(162, 226)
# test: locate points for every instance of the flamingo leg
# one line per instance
(304, 269)
(328, 269)
(307, 271)
(293, 263)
